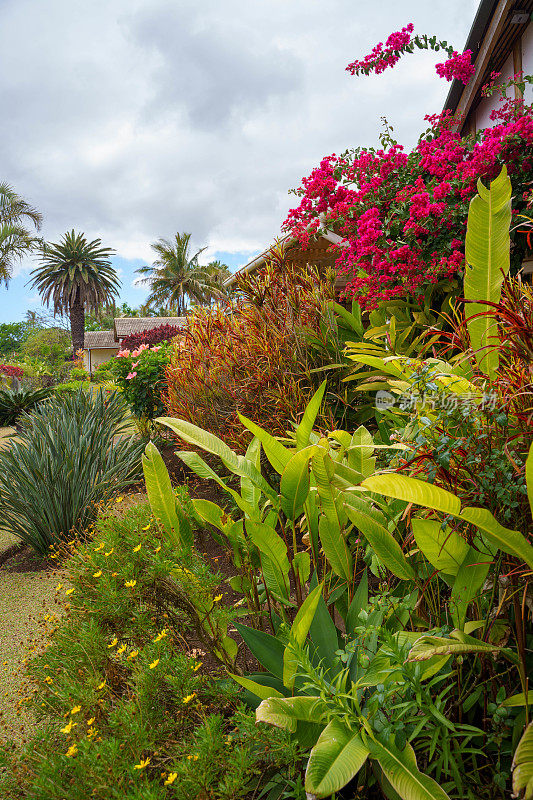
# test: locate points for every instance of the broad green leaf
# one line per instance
(382, 543)
(335, 548)
(511, 542)
(303, 431)
(250, 492)
(286, 712)
(263, 692)
(203, 470)
(529, 477)
(401, 770)
(192, 434)
(295, 482)
(352, 319)
(298, 634)
(470, 578)
(277, 454)
(324, 639)
(360, 453)
(210, 513)
(428, 646)
(274, 561)
(301, 564)
(443, 548)
(412, 490)
(517, 700)
(338, 755)
(161, 494)
(359, 602)
(523, 765)
(487, 254)
(266, 648)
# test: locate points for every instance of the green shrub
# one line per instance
(140, 374)
(69, 386)
(68, 461)
(117, 690)
(16, 402)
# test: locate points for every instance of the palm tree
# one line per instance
(216, 273)
(75, 275)
(175, 276)
(15, 239)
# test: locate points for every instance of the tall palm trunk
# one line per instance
(77, 323)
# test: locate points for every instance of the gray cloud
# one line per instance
(132, 119)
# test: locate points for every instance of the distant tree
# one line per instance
(12, 335)
(75, 275)
(16, 240)
(175, 277)
(216, 273)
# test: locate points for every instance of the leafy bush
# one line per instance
(125, 706)
(253, 356)
(151, 337)
(16, 402)
(11, 371)
(140, 375)
(69, 386)
(70, 458)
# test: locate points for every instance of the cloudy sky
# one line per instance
(134, 119)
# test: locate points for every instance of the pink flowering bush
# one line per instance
(140, 374)
(382, 56)
(402, 215)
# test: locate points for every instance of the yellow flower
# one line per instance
(146, 528)
(69, 591)
(101, 685)
(121, 649)
(59, 586)
(171, 778)
(114, 574)
(71, 751)
(75, 710)
(97, 574)
(48, 679)
(100, 547)
(133, 654)
(142, 764)
(90, 721)
(154, 664)
(157, 549)
(136, 549)
(130, 584)
(119, 500)
(189, 698)
(160, 635)
(197, 666)
(68, 728)
(92, 732)
(217, 599)
(113, 643)
(193, 757)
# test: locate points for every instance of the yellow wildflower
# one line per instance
(69, 591)
(160, 635)
(114, 574)
(130, 584)
(157, 549)
(100, 547)
(59, 587)
(121, 649)
(218, 598)
(146, 528)
(92, 732)
(90, 721)
(189, 698)
(119, 500)
(197, 666)
(71, 751)
(75, 710)
(133, 654)
(154, 664)
(113, 643)
(48, 679)
(142, 764)
(97, 574)
(101, 685)
(68, 727)
(136, 549)
(109, 552)
(171, 778)
(193, 757)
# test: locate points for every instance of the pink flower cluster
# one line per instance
(379, 59)
(402, 215)
(457, 66)
(135, 354)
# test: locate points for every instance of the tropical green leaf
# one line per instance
(324, 638)
(428, 646)
(402, 772)
(301, 564)
(335, 548)
(250, 492)
(266, 648)
(470, 578)
(274, 561)
(338, 755)
(360, 453)
(443, 547)
(298, 634)
(517, 700)
(295, 482)
(382, 543)
(412, 490)
(303, 431)
(487, 253)
(161, 494)
(523, 765)
(288, 711)
(511, 542)
(277, 454)
(359, 602)
(263, 692)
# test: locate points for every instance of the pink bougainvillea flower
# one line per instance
(130, 376)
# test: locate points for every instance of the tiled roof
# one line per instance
(95, 340)
(125, 326)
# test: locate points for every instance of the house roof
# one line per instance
(100, 340)
(125, 326)
(288, 241)
(492, 36)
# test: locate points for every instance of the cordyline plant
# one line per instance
(251, 355)
(403, 215)
(152, 336)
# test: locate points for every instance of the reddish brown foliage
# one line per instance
(163, 333)
(252, 355)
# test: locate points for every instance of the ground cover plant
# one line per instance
(127, 707)
(70, 457)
